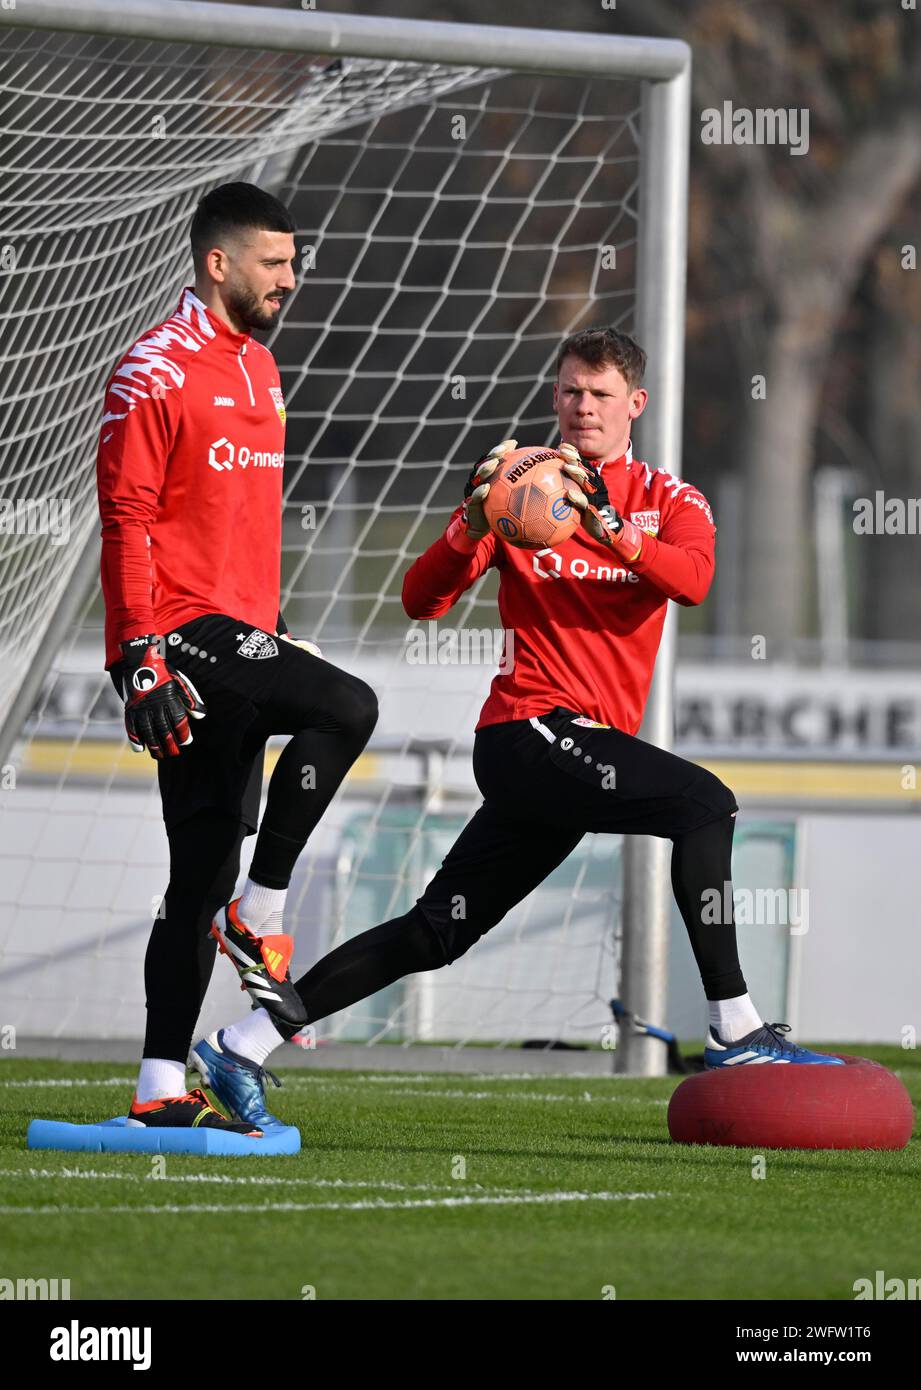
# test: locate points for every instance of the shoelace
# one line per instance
(196, 1097)
(262, 1073)
(198, 1094)
(782, 1044)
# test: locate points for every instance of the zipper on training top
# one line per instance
(252, 398)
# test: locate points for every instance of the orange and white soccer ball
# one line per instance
(527, 504)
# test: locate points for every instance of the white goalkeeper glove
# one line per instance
(310, 647)
(474, 518)
(599, 516)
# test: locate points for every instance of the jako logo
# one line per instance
(76, 1343)
(222, 455)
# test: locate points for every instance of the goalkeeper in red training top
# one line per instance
(189, 472)
(587, 619)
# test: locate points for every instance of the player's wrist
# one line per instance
(461, 538)
(472, 525)
(620, 535)
(136, 650)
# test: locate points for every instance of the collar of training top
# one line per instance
(190, 302)
(626, 459)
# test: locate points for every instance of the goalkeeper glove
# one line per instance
(473, 518)
(600, 519)
(158, 700)
(310, 647)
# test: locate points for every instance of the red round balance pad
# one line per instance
(861, 1105)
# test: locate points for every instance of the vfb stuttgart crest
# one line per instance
(279, 400)
(258, 645)
(646, 521)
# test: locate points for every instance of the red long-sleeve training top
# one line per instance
(189, 473)
(586, 627)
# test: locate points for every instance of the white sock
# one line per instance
(254, 1037)
(160, 1079)
(262, 909)
(733, 1018)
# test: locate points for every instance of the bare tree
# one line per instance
(792, 234)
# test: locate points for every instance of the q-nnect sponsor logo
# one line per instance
(549, 564)
(224, 456)
(76, 1343)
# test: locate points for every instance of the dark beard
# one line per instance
(250, 310)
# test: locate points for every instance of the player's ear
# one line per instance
(638, 402)
(556, 395)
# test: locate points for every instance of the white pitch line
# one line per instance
(379, 1204)
(254, 1179)
(70, 1081)
(322, 1084)
(409, 1077)
(389, 1079)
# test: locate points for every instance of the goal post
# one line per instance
(270, 111)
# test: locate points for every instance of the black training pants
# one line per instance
(546, 782)
(253, 685)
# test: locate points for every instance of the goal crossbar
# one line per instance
(561, 52)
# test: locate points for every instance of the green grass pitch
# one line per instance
(436, 1186)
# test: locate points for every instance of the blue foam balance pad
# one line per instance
(115, 1136)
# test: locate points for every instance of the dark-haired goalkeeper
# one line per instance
(189, 468)
(556, 753)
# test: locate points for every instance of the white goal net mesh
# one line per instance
(453, 226)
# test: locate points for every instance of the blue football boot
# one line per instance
(237, 1082)
(764, 1045)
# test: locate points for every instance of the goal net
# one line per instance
(455, 222)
